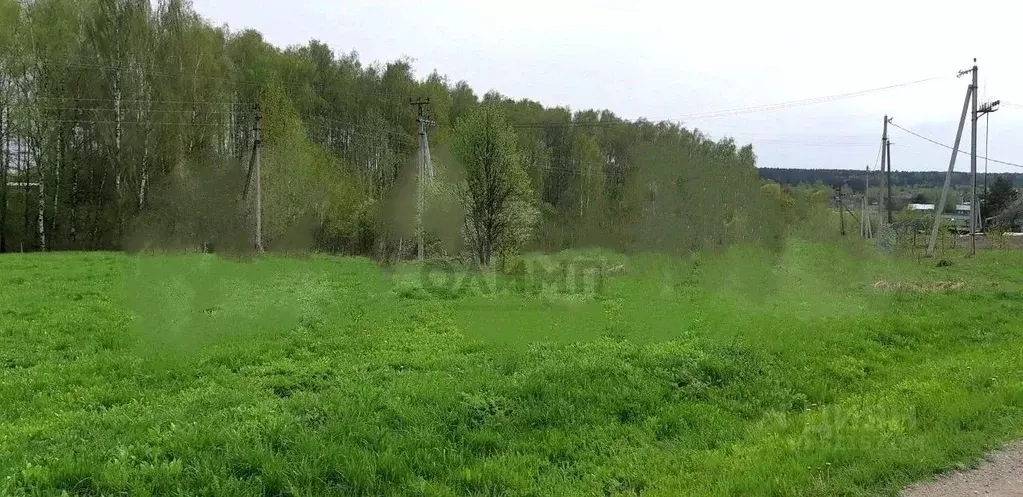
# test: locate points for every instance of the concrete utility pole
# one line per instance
(424, 173)
(940, 206)
(973, 167)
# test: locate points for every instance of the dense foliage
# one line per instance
(129, 125)
(1002, 201)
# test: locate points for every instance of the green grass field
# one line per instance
(820, 371)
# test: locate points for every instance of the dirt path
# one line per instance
(1001, 475)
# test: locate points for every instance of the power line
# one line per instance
(735, 111)
(802, 102)
(228, 80)
(383, 134)
(324, 122)
(918, 135)
(154, 123)
(143, 101)
(814, 143)
(124, 110)
(802, 135)
(344, 124)
(314, 122)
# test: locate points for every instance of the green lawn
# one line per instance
(822, 371)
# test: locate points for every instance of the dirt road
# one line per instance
(1001, 475)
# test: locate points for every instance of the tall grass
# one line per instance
(819, 370)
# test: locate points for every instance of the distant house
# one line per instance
(960, 216)
(961, 209)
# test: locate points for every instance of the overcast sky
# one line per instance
(672, 59)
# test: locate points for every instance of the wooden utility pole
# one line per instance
(865, 229)
(258, 144)
(985, 110)
(841, 212)
(888, 177)
(23, 166)
(254, 169)
(987, 125)
(880, 195)
(884, 215)
(973, 167)
(863, 203)
(4, 164)
(423, 174)
(940, 206)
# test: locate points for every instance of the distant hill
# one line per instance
(913, 179)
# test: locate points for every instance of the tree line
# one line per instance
(126, 124)
(856, 180)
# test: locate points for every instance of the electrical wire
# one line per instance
(800, 135)
(324, 123)
(151, 123)
(124, 110)
(142, 101)
(345, 124)
(740, 110)
(814, 143)
(918, 135)
(228, 80)
(803, 102)
(348, 131)
(349, 128)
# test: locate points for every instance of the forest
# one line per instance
(129, 125)
(674, 320)
(836, 178)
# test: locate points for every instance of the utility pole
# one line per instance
(888, 177)
(841, 211)
(987, 125)
(5, 123)
(940, 206)
(258, 143)
(973, 167)
(986, 109)
(865, 228)
(423, 174)
(881, 202)
(254, 169)
(25, 175)
(883, 207)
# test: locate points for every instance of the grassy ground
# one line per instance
(818, 372)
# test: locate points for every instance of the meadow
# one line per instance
(818, 371)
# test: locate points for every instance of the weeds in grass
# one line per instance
(738, 373)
